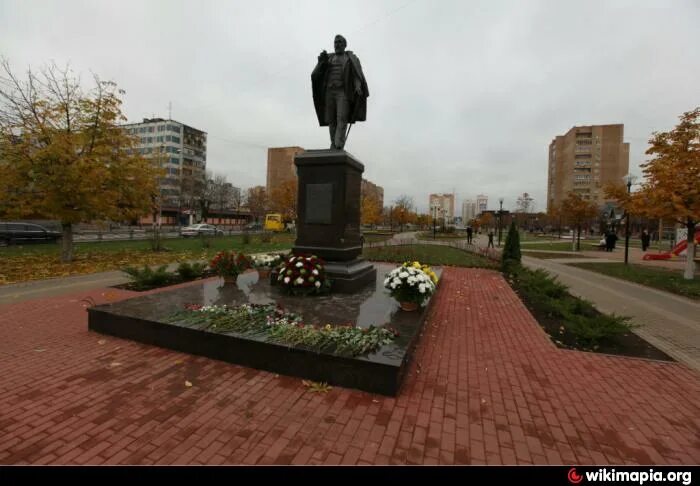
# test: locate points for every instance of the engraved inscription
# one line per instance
(319, 200)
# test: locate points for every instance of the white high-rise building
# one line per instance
(482, 203)
(444, 204)
(468, 211)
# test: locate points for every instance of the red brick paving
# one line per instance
(485, 386)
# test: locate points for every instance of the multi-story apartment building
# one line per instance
(482, 203)
(445, 204)
(280, 166)
(182, 151)
(370, 189)
(584, 160)
(468, 211)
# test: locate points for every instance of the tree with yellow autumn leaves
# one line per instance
(283, 200)
(64, 156)
(671, 185)
(370, 210)
(578, 211)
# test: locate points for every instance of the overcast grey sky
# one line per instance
(465, 96)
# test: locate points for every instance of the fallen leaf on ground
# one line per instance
(188, 383)
(316, 387)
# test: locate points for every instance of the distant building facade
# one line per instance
(445, 202)
(584, 160)
(370, 189)
(468, 211)
(482, 203)
(280, 166)
(179, 149)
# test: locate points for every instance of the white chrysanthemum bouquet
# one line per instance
(410, 284)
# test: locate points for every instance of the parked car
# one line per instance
(253, 227)
(13, 233)
(201, 229)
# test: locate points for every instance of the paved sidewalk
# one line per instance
(669, 322)
(485, 386)
(35, 289)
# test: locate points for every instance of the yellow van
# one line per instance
(273, 222)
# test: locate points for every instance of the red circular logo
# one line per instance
(574, 477)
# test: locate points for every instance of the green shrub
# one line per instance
(591, 331)
(550, 298)
(149, 278)
(511, 249)
(246, 238)
(191, 271)
(266, 237)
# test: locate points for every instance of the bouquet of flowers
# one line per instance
(229, 264)
(303, 274)
(426, 268)
(267, 261)
(410, 284)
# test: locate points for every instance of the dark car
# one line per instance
(15, 233)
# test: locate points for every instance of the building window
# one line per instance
(174, 160)
(176, 139)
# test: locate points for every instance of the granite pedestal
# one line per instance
(328, 206)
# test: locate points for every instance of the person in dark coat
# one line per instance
(469, 234)
(490, 245)
(340, 91)
(610, 239)
(646, 238)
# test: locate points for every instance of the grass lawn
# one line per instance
(555, 245)
(375, 237)
(546, 255)
(40, 261)
(432, 255)
(428, 235)
(525, 236)
(659, 278)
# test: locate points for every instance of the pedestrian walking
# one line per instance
(646, 238)
(490, 245)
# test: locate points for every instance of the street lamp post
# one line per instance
(629, 179)
(500, 218)
(434, 209)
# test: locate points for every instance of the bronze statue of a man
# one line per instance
(340, 91)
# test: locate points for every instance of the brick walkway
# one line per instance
(486, 386)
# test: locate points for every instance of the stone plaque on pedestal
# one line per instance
(329, 215)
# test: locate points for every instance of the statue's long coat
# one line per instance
(358, 103)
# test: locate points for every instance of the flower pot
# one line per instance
(408, 306)
(263, 273)
(230, 279)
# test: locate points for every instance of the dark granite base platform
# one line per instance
(143, 319)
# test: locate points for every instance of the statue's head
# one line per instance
(340, 44)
